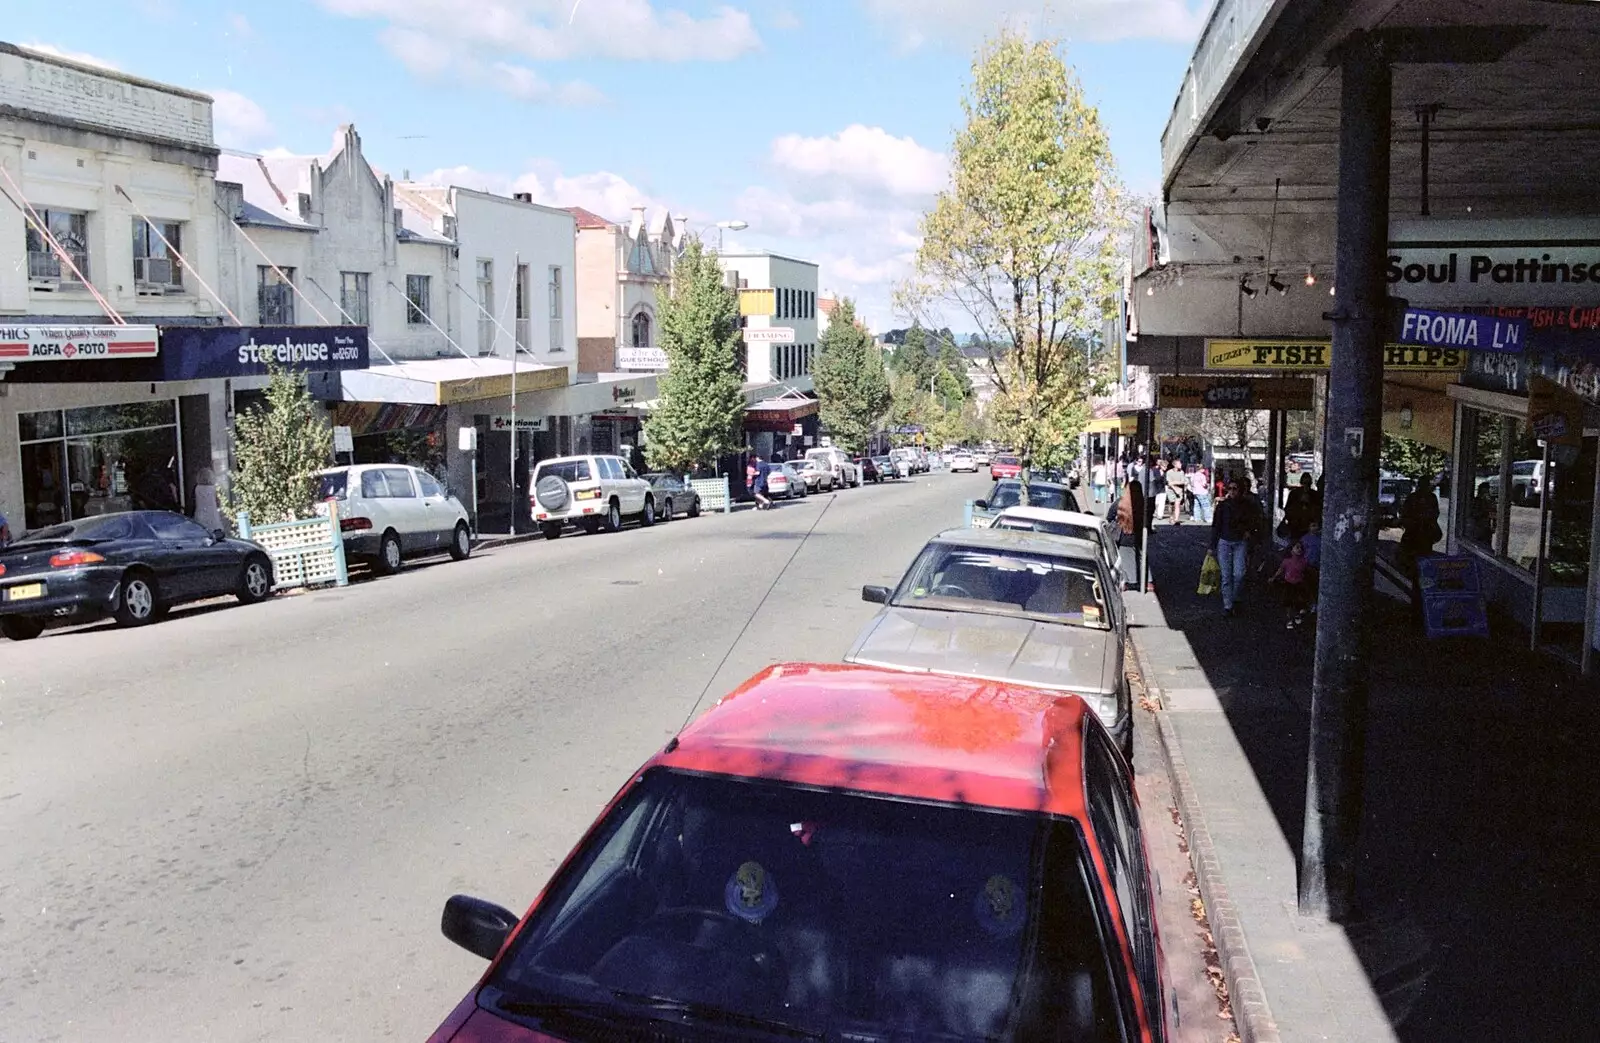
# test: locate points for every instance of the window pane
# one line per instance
(372, 485)
(34, 426)
(97, 419)
(175, 527)
(398, 480)
(430, 486)
(417, 306)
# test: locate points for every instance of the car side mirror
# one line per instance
(219, 534)
(477, 926)
(876, 595)
(981, 505)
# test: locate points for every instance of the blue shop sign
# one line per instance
(198, 352)
(1445, 329)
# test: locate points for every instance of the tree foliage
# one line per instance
(701, 410)
(852, 383)
(1025, 241)
(279, 446)
(1414, 459)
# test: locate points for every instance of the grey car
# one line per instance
(676, 496)
(1010, 606)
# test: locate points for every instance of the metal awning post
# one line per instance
(1535, 632)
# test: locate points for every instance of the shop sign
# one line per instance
(198, 352)
(623, 394)
(1452, 597)
(1287, 393)
(1446, 261)
(770, 335)
(1317, 354)
(343, 440)
(1457, 330)
(1554, 413)
(505, 421)
(76, 343)
(642, 358)
(1129, 426)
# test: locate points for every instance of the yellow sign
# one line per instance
(1234, 393)
(1316, 355)
(758, 302)
(476, 389)
(1130, 425)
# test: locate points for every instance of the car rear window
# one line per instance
(1005, 582)
(1009, 494)
(568, 470)
(333, 485)
(869, 917)
(1008, 461)
(119, 526)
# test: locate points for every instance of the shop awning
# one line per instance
(779, 413)
(1105, 426)
(442, 382)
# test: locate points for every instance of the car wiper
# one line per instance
(634, 1007)
(709, 1015)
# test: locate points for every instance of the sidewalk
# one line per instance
(1477, 883)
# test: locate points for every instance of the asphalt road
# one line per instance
(241, 823)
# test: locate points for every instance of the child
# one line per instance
(1292, 573)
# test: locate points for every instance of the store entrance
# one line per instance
(78, 463)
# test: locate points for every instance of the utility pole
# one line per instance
(1350, 479)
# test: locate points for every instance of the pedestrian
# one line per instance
(1233, 529)
(1312, 542)
(1097, 480)
(763, 469)
(1155, 489)
(1293, 575)
(1298, 507)
(1177, 488)
(1419, 518)
(1200, 489)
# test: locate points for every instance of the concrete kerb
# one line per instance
(1251, 1014)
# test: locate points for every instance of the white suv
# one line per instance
(593, 491)
(845, 473)
(390, 512)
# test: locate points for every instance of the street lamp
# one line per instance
(737, 226)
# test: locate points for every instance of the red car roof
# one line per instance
(922, 736)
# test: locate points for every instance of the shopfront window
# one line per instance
(79, 463)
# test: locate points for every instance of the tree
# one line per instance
(1414, 459)
(852, 384)
(700, 415)
(279, 446)
(911, 356)
(1025, 241)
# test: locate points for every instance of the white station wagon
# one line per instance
(390, 512)
(596, 492)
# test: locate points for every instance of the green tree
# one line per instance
(701, 410)
(1415, 459)
(279, 446)
(911, 357)
(953, 364)
(1026, 240)
(852, 384)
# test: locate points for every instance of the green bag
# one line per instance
(1210, 576)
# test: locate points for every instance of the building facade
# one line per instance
(776, 293)
(622, 270)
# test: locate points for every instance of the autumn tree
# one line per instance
(1025, 240)
(851, 381)
(701, 395)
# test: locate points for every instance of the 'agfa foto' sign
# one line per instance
(75, 343)
(1453, 330)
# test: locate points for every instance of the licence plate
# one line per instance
(24, 591)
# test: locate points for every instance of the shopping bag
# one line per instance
(1210, 576)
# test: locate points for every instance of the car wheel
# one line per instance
(389, 556)
(613, 522)
(137, 601)
(461, 542)
(255, 580)
(21, 628)
(694, 507)
(551, 530)
(647, 517)
(666, 510)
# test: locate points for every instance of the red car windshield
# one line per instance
(776, 909)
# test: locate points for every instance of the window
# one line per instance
(430, 486)
(557, 339)
(177, 528)
(275, 296)
(417, 307)
(353, 297)
(524, 307)
(641, 330)
(156, 267)
(71, 230)
(566, 470)
(611, 467)
(486, 326)
(98, 460)
(398, 480)
(333, 485)
(1006, 582)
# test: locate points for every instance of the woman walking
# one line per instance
(1200, 489)
(1237, 522)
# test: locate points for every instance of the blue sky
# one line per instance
(822, 123)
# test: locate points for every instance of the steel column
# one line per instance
(1350, 480)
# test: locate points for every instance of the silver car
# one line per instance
(1009, 606)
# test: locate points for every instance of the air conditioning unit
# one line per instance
(44, 285)
(157, 270)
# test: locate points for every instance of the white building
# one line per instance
(777, 293)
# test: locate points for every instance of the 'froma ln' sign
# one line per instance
(1443, 329)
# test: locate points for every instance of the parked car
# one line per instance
(1101, 532)
(673, 496)
(132, 565)
(962, 461)
(596, 492)
(904, 462)
(981, 458)
(1005, 466)
(869, 469)
(817, 474)
(391, 512)
(842, 853)
(887, 467)
(784, 482)
(1527, 481)
(1008, 606)
(845, 472)
(1007, 492)
(1392, 492)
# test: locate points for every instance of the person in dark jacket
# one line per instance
(1234, 527)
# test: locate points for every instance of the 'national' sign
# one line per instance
(1445, 329)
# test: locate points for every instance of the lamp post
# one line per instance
(737, 226)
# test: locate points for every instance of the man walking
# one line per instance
(1097, 480)
(1234, 528)
(1177, 489)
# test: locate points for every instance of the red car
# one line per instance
(836, 852)
(1005, 467)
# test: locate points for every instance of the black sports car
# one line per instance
(133, 566)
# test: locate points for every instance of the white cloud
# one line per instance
(864, 158)
(963, 22)
(76, 56)
(434, 58)
(238, 121)
(605, 193)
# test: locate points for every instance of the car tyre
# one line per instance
(694, 507)
(613, 519)
(255, 580)
(389, 555)
(138, 602)
(21, 628)
(551, 530)
(647, 517)
(460, 542)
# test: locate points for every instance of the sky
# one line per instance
(823, 124)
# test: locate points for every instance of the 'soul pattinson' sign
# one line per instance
(1318, 354)
(63, 343)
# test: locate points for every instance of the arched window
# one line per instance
(641, 330)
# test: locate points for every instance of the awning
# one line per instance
(442, 382)
(1106, 426)
(780, 413)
